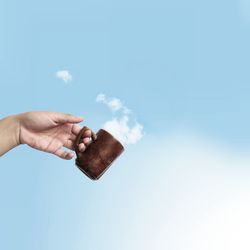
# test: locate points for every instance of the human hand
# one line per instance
(50, 131)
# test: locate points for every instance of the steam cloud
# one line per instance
(119, 126)
(64, 75)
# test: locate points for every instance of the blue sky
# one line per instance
(181, 66)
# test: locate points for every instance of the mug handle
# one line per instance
(79, 137)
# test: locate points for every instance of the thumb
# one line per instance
(66, 118)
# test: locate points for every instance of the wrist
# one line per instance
(13, 123)
(9, 133)
(16, 128)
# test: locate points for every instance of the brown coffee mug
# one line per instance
(99, 154)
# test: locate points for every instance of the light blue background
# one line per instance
(177, 64)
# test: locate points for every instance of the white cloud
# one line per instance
(101, 98)
(64, 75)
(113, 103)
(120, 127)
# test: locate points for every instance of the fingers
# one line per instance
(69, 144)
(63, 154)
(82, 147)
(87, 133)
(86, 140)
(76, 129)
(66, 118)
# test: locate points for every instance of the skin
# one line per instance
(44, 131)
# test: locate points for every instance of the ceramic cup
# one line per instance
(99, 154)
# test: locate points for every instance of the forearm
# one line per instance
(9, 133)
